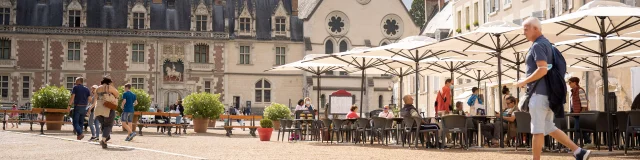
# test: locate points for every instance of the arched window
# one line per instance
(343, 46)
(263, 91)
(353, 100)
(328, 47)
(380, 105)
(323, 101)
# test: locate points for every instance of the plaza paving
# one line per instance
(24, 144)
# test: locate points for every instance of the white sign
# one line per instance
(340, 105)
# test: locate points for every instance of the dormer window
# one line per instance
(5, 16)
(201, 23)
(74, 18)
(281, 26)
(245, 25)
(107, 2)
(138, 20)
(42, 1)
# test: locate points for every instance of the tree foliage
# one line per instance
(51, 97)
(417, 13)
(144, 100)
(203, 105)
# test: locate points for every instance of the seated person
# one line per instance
(491, 131)
(410, 111)
(353, 114)
(635, 105)
(386, 113)
(459, 110)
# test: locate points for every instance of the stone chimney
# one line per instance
(294, 7)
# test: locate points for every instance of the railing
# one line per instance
(7, 62)
(202, 66)
(112, 32)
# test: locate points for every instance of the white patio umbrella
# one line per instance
(359, 63)
(314, 68)
(602, 20)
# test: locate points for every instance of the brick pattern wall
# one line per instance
(152, 62)
(95, 56)
(38, 81)
(56, 61)
(31, 55)
(218, 59)
(118, 54)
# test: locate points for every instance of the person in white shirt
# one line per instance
(300, 105)
(474, 101)
(386, 113)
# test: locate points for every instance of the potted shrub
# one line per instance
(468, 27)
(458, 30)
(203, 107)
(144, 102)
(275, 112)
(475, 23)
(265, 130)
(55, 98)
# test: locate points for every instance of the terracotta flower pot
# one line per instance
(265, 134)
(54, 117)
(276, 124)
(212, 123)
(200, 125)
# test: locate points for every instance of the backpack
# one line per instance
(556, 85)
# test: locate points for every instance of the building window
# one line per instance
(107, 2)
(201, 23)
(507, 2)
(5, 16)
(263, 91)
(4, 86)
(137, 55)
(353, 99)
(5, 49)
(245, 24)
(380, 105)
(323, 101)
(459, 20)
(73, 53)
(74, 18)
(201, 54)
(495, 6)
(328, 47)
(207, 86)
(467, 17)
(245, 55)
(137, 83)
(138, 20)
(71, 81)
(281, 26)
(171, 3)
(26, 84)
(343, 48)
(280, 55)
(475, 12)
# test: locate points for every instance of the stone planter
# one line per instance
(54, 117)
(212, 124)
(265, 133)
(276, 124)
(200, 125)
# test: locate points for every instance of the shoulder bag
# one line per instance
(110, 101)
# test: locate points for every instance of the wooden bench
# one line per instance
(31, 121)
(166, 124)
(252, 125)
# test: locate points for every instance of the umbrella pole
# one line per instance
(499, 52)
(453, 103)
(400, 92)
(518, 75)
(605, 82)
(362, 92)
(318, 95)
(417, 82)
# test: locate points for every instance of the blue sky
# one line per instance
(407, 3)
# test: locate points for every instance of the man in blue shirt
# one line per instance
(79, 99)
(128, 101)
(540, 54)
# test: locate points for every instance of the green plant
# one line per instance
(203, 105)
(396, 111)
(143, 98)
(475, 23)
(468, 27)
(277, 111)
(51, 97)
(266, 123)
(458, 30)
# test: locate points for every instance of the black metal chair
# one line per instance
(621, 117)
(338, 128)
(291, 128)
(596, 123)
(389, 128)
(408, 125)
(363, 127)
(281, 129)
(455, 124)
(523, 125)
(424, 129)
(633, 126)
(379, 129)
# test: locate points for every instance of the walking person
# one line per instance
(180, 111)
(94, 124)
(104, 115)
(540, 54)
(79, 100)
(15, 116)
(128, 101)
(443, 99)
(579, 103)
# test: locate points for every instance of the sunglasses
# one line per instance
(386, 108)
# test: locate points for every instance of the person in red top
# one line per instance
(444, 98)
(353, 114)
